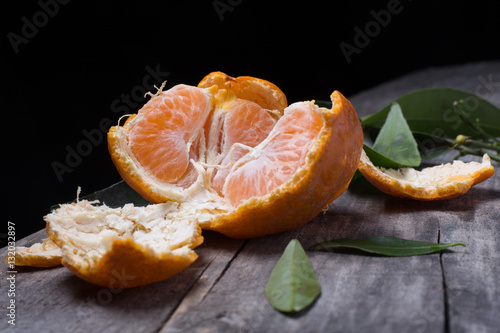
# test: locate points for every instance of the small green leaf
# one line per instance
(293, 285)
(395, 140)
(386, 245)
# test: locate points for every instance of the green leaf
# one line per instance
(431, 146)
(431, 111)
(386, 245)
(293, 285)
(395, 140)
(380, 160)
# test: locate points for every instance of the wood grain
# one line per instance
(472, 276)
(358, 291)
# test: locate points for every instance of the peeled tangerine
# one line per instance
(435, 183)
(228, 155)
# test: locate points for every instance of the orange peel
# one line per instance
(123, 247)
(262, 92)
(434, 183)
(43, 254)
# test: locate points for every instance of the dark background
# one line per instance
(87, 55)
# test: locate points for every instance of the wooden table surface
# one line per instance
(457, 290)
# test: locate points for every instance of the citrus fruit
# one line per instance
(434, 183)
(233, 164)
(44, 254)
(123, 247)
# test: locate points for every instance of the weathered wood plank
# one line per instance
(359, 292)
(473, 276)
(214, 270)
(56, 300)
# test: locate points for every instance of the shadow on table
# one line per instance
(29, 269)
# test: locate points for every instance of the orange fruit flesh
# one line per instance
(330, 163)
(247, 164)
(276, 159)
(167, 126)
(247, 124)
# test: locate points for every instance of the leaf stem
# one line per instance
(467, 150)
(485, 145)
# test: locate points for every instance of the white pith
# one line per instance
(47, 250)
(87, 231)
(432, 176)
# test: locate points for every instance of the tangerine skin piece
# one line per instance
(447, 187)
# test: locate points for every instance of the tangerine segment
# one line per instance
(123, 247)
(44, 254)
(435, 183)
(262, 92)
(275, 160)
(165, 128)
(245, 125)
(330, 163)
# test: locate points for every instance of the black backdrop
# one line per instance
(71, 68)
